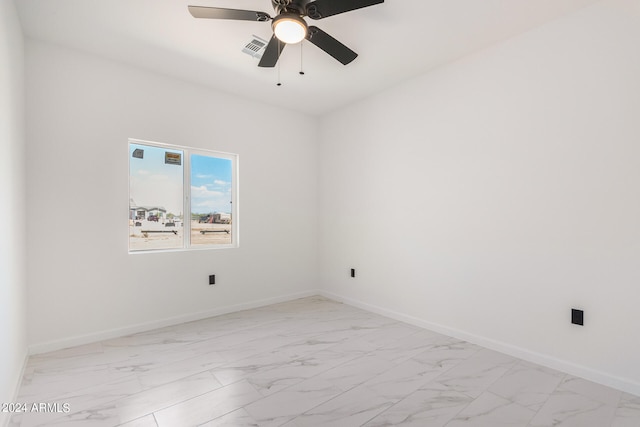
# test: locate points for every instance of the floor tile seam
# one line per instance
(549, 395)
(332, 367)
(455, 417)
(274, 349)
(330, 348)
(105, 348)
(471, 400)
(511, 365)
(155, 417)
(106, 365)
(320, 404)
(286, 420)
(600, 403)
(139, 418)
(379, 414)
(585, 395)
(103, 403)
(302, 340)
(173, 351)
(231, 332)
(170, 406)
(196, 354)
(546, 399)
(293, 385)
(247, 378)
(168, 364)
(388, 346)
(423, 383)
(42, 364)
(141, 353)
(573, 415)
(277, 333)
(463, 408)
(346, 391)
(200, 424)
(460, 361)
(46, 397)
(43, 371)
(512, 402)
(517, 403)
(102, 406)
(252, 340)
(147, 390)
(377, 348)
(211, 370)
(369, 353)
(435, 379)
(619, 400)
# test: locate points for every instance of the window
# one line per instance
(181, 198)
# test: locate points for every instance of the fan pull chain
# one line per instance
(301, 68)
(279, 83)
(279, 50)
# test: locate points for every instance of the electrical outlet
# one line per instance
(353, 272)
(577, 317)
(212, 279)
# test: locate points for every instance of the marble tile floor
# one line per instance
(308, 362)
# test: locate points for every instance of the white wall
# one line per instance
(83, 284)
(13, 329)
(488, 198)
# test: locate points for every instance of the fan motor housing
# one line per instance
(291, 6)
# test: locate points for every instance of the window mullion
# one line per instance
(187, 200)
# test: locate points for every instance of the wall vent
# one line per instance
(255, 47)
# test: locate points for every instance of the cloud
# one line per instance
(203, 192)
(221, 182)
(204, 200)
(203, 176)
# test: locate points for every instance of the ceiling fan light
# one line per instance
(290, 29)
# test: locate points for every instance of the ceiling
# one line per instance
(396, 40)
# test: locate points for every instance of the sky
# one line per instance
(210, 184)
(152, 182)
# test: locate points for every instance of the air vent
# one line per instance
(255, 47)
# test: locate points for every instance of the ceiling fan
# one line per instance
(289, 26)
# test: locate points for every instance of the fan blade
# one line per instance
(271, 53)
(330, 45)
(322, 8)
(220, 13)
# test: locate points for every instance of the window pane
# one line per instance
(211, 200)
(155, 198)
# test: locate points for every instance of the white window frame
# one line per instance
(186, 203)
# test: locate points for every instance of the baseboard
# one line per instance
(161, 323)
(515, 351)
